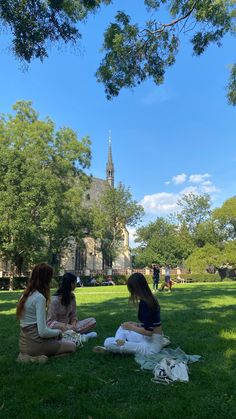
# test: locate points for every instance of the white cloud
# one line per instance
(209, 188)
(167, 182)
(164, 203)
(160, 203)
(199, 178)
(179, 179)
(190, 189)
(132, 236)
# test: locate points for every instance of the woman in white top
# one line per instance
(37, 341)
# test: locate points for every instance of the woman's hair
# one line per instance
(40, 280)
(65, 289)
(139, 289)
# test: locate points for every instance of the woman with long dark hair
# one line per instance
(62, 313)
(144, 337)
(37, 341)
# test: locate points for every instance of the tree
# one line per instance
(232, 86)
(115, 210)
(162, 242)
(208, 255)
(35, 23)
(195, 209)
(41, 186)
(209, 232)
(133, 52)
(230, 253)
(202, 257)
(136, 52)
(226, 215)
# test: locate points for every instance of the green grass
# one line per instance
(200, 318)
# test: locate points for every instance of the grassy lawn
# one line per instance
(200, 318)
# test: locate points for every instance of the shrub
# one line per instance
(19, 283)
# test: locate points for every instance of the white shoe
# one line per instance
(91, 335)
(88, 336)
(99, 349)
(165, 341)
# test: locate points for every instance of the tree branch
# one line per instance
(170, 24)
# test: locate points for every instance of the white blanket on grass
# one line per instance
(168, 365)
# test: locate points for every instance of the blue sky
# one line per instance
(166, 140)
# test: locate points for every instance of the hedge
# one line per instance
(21, 282)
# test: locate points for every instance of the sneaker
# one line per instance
(165, 341)
(86, 336)
(99, 349)
(41, 359)
(27, 359)
(24, 358)
(91, 335)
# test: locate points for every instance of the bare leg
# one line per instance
(84, 326)
(66, 347)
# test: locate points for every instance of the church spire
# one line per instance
(110, 166)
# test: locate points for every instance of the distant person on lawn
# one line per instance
(155, 276)
(144, 337)
(168, 282)
(37, 341)
(62, 312)
(109, 281)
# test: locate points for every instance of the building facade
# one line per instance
(85, 258)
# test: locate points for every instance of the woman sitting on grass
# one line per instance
(145, 337)
(62, 309)
(37, 341)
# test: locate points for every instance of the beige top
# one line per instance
(35, 313)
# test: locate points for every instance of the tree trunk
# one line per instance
(11, 279)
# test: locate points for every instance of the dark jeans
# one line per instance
(155, 282)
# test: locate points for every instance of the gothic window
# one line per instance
(80, 260)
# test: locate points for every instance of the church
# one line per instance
(86, 258)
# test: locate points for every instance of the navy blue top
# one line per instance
(148, 318)
(156, 272)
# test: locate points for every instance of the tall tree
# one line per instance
(163, 242)
(209, 231)
(195, 209)
(41, 186)
(226, 215)
(115, 210)
(202, 257)
(133, 52)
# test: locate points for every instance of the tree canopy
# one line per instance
(226, 215)
(133, 51)
(115, 210)
(194, 210)
(196, 238)
(163, 242)
(41, 186)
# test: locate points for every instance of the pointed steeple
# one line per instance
(110, 166)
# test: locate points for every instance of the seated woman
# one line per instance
(37, 341)
(62, 309)
(145, 337)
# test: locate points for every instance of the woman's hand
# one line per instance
(70, 327)
(128, 325)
